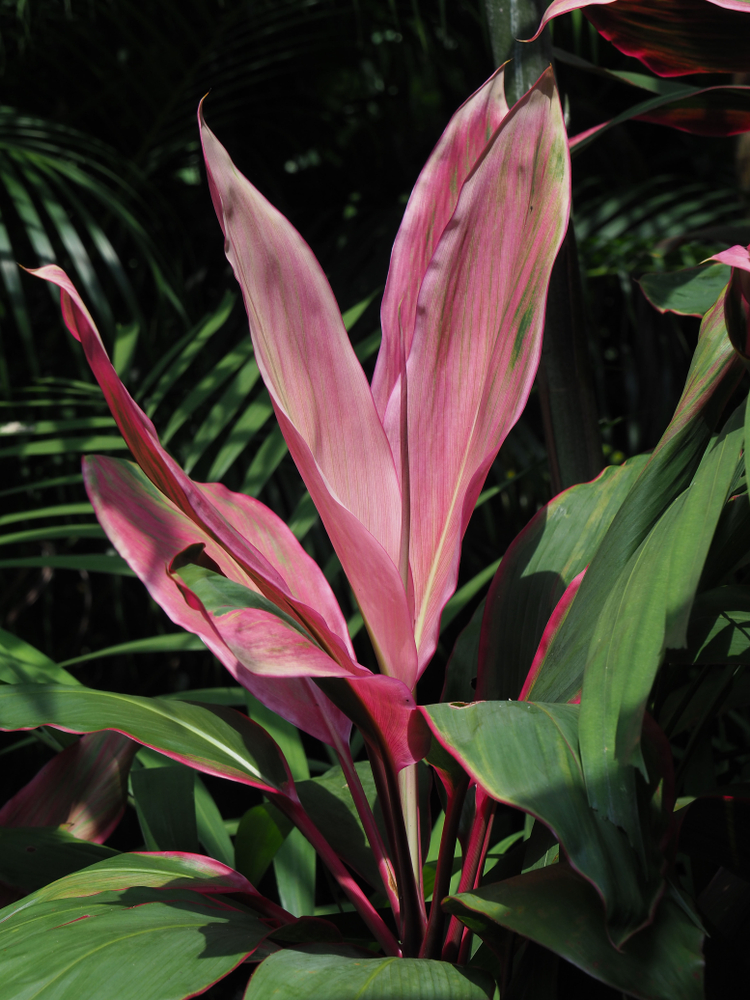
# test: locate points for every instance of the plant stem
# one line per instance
(384, 863)
(509, 22)
(431, 944)
(414, 918)
(472, 868)
(361, 903)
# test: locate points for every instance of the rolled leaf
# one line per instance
(83, 789)
(671, 37)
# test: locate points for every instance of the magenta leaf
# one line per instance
(671, 37)
(83, 789)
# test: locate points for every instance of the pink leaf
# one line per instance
(149, 531)
(84, 789)
(428, 212)
(478, 335)
(322, 401)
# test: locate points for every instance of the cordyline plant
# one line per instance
(610, 581)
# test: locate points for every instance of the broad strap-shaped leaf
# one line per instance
(138, 944)
(325, 972)
(170, 870)
(264, 639)
(33, 856)
(541, 562)
(526, 755)
(553, 626)
(169, 478)
(83, 789)
(210, 738)
(21, 663)
(150, 532)
(477, 336)
(322, 400)
(647, 610)
(713, 375)
(559, 910)
(689, 292)
(429, 210)
(671, 37)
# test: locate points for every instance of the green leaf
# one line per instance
(165, 803)
(206, 386)
(464, 594)
(319, 973)
(559, 910)
(257, 414)
(712, 377)
(31, 857)
(329, 803)
(647, 610)
(172, 642)
(139, 944)
(261, 833)
(267, 459)
(91, 563)
(559, 541)
(463, 664)
(690, 292)
(65, 446)
(294, 861)
(719, 628)
(526, 755)
(220, 414)
(212, 833)
(61, 510)
(21, 663)
(213, 739)
(71, 531)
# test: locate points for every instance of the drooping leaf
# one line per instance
(690, 292)
(213, 739)
(526, 755)
(713, 374)
(83, 788)
(212, 833)
(561, 911)
(151, 532)
(671, 37)
(556, 545)
(320, 973)
(22, 663)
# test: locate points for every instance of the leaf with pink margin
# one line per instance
(557, 617)
(322, 401)
(737, 299)
(263, 639)
(478, 335)
(212, 739)
(428, 212)
(671, 37)
(167, 870)
(736, 256)
(84, 789)
(149, 531)
(159, 466)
